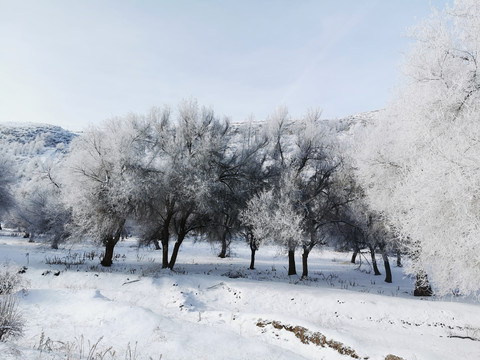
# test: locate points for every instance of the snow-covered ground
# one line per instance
(212, 308)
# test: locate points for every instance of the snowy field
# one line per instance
(212, 308)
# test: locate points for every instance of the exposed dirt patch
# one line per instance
(308, 337)
(393, 357)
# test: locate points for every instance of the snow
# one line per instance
(211, 308)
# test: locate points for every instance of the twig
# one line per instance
(129, 282)
(463, 337)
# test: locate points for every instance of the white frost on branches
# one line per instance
(420, 163)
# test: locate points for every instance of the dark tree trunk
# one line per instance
(108, 256)
(223, 252)
(164, 253)
(165, 237)
(399, 259)
(386, 262)
(176, 247)
(354, 256)
(182, 232)
(180, 237)
(252, 258)
(157, 244)
(306, 251)
(388, 271)
(422, 286)
(110, 243)
(291, 263)
(374, 261)
(253, 250)
(55, 242)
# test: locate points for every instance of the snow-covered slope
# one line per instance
(213, 308)
(27, 146)
(51, 135)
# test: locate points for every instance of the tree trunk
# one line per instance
(164, 253)
(399, 259)
(157, 244)
(165, 238)
(176, 247)
(374, 261)
(291, 263)
(223, 252)
(108, 256)
(55, 242)
(182, 232)
(388, 270)
(354, 256)
(110, 243)
(253, 250)
(173, 258)
(422, 286)
(305, 254)
(252, 258)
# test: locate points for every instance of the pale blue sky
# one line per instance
(76, 62)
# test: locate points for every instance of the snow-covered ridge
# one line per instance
(52, 135)
(24, 133)
(345, 123)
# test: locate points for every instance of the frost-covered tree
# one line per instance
(375, 235)
(238, 173)
(356, 223)
(302, 201)
(178, 177)
(40, 209)
(198, 139)
(201, 141)
(6, 179)
(273, 216)
(419, 164)
(154, 192)
(256, 176)
(96, 183)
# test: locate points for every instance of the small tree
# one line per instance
(96, 185)
(272, 217)
(41, 209)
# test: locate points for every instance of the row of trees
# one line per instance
(407, 181)
(196, 174)
(166, 175)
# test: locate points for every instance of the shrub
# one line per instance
(11, 321)
(10, 280)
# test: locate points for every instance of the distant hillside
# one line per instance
(346, 126)
(30, 139)
(51, 135)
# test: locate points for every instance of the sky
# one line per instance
(75, 63)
